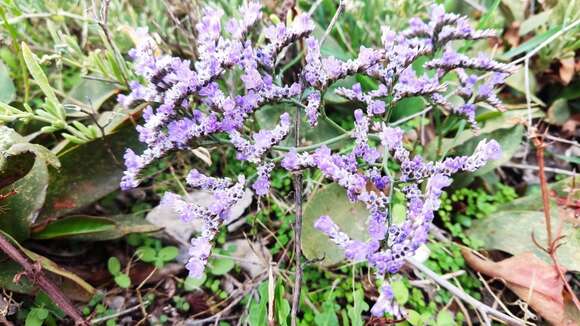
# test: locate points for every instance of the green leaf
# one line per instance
(268, 116)
(533, 22)
(282, 306)
(511, 231)
(490, 124)
(332, 201)
(7, 89)
(168, 253)
(257, 315)
(24, 182)
(72, 285)
(38, 75)
(220, 266)
(123, 281)
(191, 283)
(73, 187)
(74, 226)
(400, 292)
(94, 228)
(414, 318)
(530, 44)
(517, 81)
(92, 92)
(445, 318)
(558, 112)
(327, 317)
(114, 265)
(36, 317)
(355, 312)
(147, 254)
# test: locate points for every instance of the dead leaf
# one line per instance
(532, 280)
(567, 70)
(252, 257)
(165, 217)
(203, 154)
(512, 35)
(569, 127)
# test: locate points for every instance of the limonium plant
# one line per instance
(190, 101)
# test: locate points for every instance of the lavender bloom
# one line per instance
(263, 140)
(386, 304)
(187, 102)
(312, 108)
(453, 60)
(262, 183)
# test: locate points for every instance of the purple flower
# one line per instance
(386, 304)
(262, 183)
(233, 76)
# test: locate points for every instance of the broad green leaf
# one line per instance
(257, 315)
(355, 312)
(89, 172)
(407, 107)
(493, 123)
(327, 317)
(94, 228)
(530, 44)
(558, 112)
(517, 81)
(351, 218)
(191, 283)
(509, 140)
(562, 189)
(147, 254)
(414, 318)
(220, 266)
(7, 89)
(534, 21)
(269, 116)
(123, 280)
(400, 292)
(8, 269)
(71, 284)
(445, 318)
(114, 265)
(168, 253)
(511, 231)
(92, 93)
(282, 306)
(24, 183)
(18, 156)
(74, 226)
(36, 317)
(38, 75)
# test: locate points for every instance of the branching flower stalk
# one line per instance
(189, 102)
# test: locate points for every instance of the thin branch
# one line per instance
(297, 178)
(118, 314)
(337, 14)
(34, 273)
(552, 245)
(535, 168)
(485, 310)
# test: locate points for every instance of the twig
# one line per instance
(485, 310)
(422, 283)
(35, 275)
(118, 314)
(552, 245)
(337, 14)
(238, 293)
(532, 167)
(297, 178)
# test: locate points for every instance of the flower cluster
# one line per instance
(188, 101)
